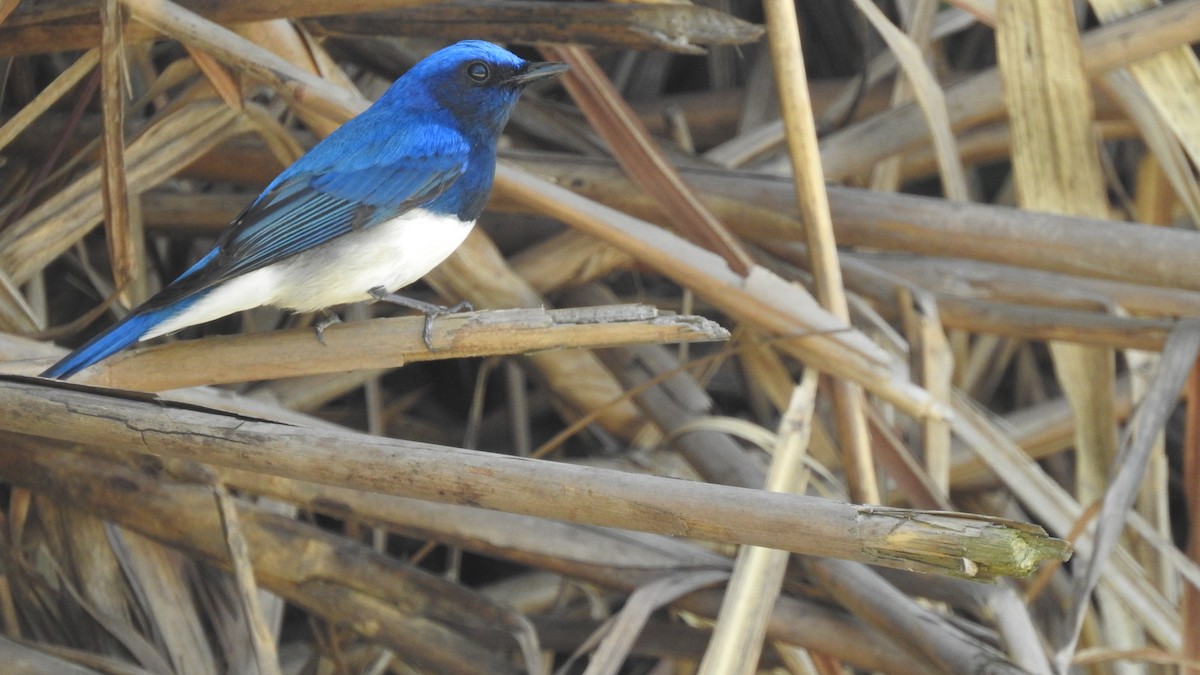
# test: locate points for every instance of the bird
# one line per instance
(371, 208)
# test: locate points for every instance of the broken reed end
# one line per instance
(964, 545)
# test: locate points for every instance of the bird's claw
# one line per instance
(441, 310)
(427, 332)
(430, 310)
(327, 319)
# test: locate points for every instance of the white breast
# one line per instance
(392, 254)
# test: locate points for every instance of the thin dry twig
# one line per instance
(738, 635)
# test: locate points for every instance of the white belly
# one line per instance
(392, 255)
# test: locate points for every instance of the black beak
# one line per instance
(537, 71)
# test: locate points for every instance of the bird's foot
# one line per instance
(430, 310)
(326, 320)
(427, 331)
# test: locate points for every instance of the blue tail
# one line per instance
(175, 297)
(119, 336)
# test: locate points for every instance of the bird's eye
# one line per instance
(478, 71)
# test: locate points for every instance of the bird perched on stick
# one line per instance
(370, 209)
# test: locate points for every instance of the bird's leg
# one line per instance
(430, 310)
(326, 320)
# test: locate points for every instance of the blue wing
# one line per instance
(335, 190)
(307, 210)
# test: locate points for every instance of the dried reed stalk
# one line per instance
(125, 240)
(314, 569)
(760, 298)
(48, 96)
(1057, 168)
(978, 98)
(801, 524)
(29, 244)
(1190, 600)
(796, 107)
(756, 207)
(478, 272)
(758, 572)
(387, 343)
(642, 160)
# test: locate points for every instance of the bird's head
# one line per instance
(477, 81)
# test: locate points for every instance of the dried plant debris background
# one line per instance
(818, 337)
